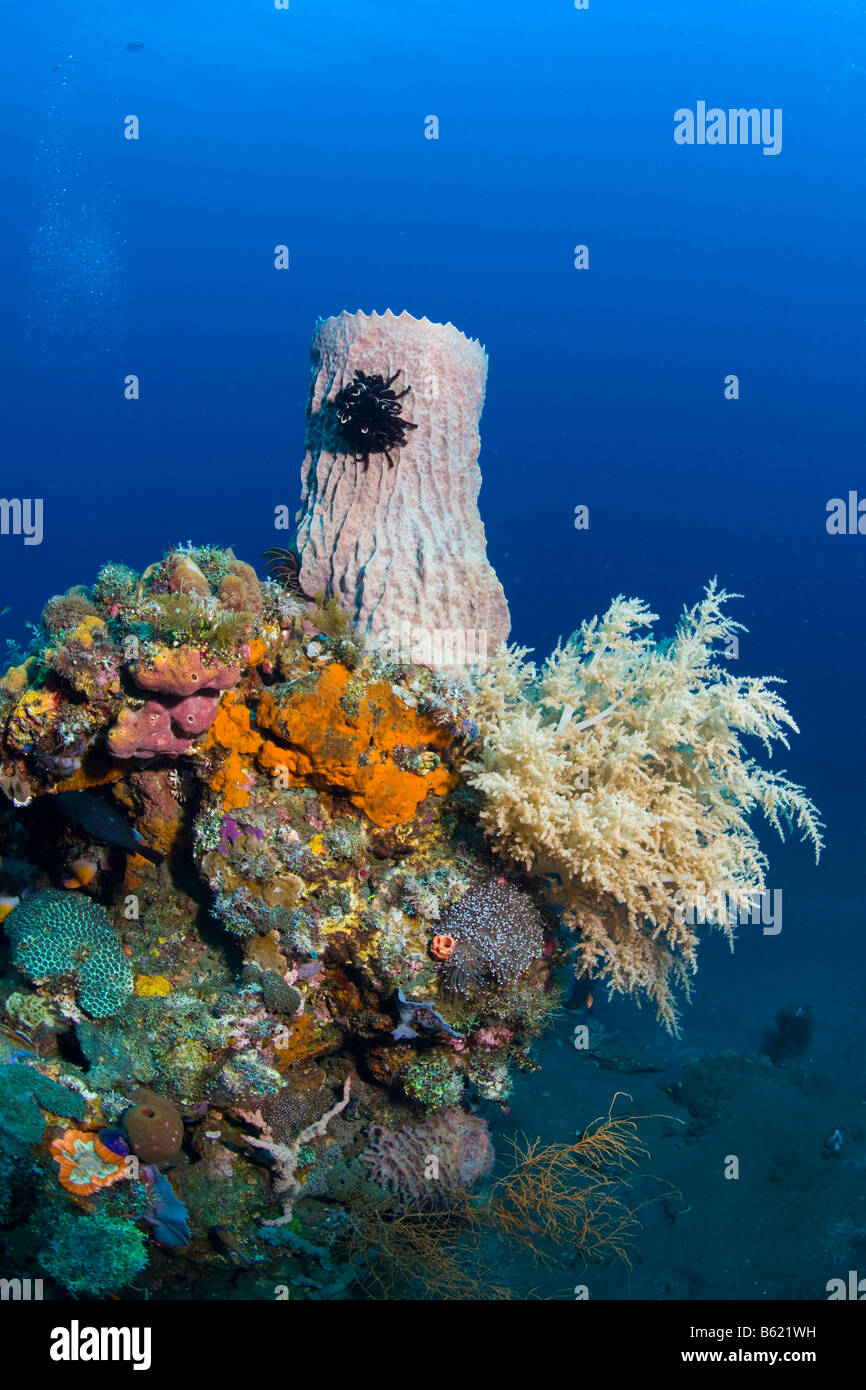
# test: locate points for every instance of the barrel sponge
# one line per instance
(56, 935)
(400, 1160)
(396, 535)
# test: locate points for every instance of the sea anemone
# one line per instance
(498, 932)
(368, 412)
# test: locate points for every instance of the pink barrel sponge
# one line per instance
(401, 543)
(181, 671)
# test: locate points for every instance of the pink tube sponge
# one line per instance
(168, 724)
(181, 671)
(193, 714)
(142, 733)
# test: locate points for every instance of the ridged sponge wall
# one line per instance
(400, 542)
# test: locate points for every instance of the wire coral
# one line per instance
(555, 1201)
(617, 773)
(557, 1197)
(419, 1255)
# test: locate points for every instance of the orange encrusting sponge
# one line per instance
(349, 753)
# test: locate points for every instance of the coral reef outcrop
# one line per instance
(286, 901)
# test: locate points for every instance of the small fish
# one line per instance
(7, 608)
(134, 46)
(101, 821)
(81, 872)
(7, 905)
(581, 995)
(223, 1241)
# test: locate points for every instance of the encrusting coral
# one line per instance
(351, 746)
(617, 775)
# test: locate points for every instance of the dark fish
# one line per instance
(135, 46)
(101, 821)
(227, 1245)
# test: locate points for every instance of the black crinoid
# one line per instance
(369, 413)
(283, 566)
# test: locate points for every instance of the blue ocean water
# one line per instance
(306, 126)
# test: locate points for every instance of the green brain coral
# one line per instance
(55, 935)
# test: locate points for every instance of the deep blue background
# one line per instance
(606, 387)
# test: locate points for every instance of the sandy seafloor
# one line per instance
(796, 1217)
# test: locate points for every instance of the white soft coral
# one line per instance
(617, 772)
